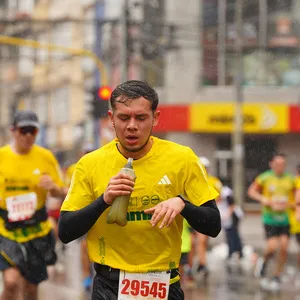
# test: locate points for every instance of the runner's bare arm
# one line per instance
(297, 200)
(254, 192)
(47, 183)
(74, 224)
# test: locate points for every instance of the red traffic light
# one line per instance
(104, 93)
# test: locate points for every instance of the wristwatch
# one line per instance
(182, 198)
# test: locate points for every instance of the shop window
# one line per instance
(258, 152)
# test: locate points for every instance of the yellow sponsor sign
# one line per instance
(258, 117)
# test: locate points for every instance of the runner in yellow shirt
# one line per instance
(170, 185)
(186, 247)
(295, 213)
(27, 173)
(200, 271)
(274, 189)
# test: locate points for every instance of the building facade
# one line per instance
(185, 49)
(55, 84)
(195, 76)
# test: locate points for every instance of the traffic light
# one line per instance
(100, 102)
(104, 93)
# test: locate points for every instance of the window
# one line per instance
(275, 6)
(26, 62)
(41, 107)
(62, 33)
(89, 29)
(42, 54)
(26, 6)
(152, 51)
(87, 2)
(62, 36)
(210, 42)
(3, 8)
(275, 60)
(9, 53)
(13, 4)
(59, 104)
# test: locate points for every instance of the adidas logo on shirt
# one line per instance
(165, 180)
(36, 172)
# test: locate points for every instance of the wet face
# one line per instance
(278, 165)
(24, 138)
(133, 121)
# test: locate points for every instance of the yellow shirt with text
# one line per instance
(19, 176)
(166, 171)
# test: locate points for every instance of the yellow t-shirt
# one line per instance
(216, 183)
(294, 224)
(276, 188)
(19, 178)
(69, 173)
(166, 171)
(186, 238)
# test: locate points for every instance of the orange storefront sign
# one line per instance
(258, 117)
(294, 118)
(173, 118)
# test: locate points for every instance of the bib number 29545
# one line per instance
(143, 285)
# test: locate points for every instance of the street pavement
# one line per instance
(223, 283)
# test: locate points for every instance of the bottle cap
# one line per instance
(129, 163)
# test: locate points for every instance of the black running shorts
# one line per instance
(184, 259)
(106, 286)
(31, 258)
(276, 231)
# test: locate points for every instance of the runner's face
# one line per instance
(278, 165)
(133, 121)
(24, 138)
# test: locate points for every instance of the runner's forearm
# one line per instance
(74, 224)
(57, 191)
(204, 218)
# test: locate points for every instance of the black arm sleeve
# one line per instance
(204, 218)
(74, 224)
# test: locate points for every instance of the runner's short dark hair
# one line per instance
(134, 89)
(278, 154)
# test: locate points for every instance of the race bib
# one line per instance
(21, 207)
(141, 286)
(279, 199)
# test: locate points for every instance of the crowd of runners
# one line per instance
(176, 206)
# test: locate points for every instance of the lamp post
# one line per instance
(237, 134)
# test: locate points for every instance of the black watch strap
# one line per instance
(183, 199)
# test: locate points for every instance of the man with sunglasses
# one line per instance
(27, 174)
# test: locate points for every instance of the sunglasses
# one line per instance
(28, 129)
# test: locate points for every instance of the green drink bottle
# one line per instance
(118, 210)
